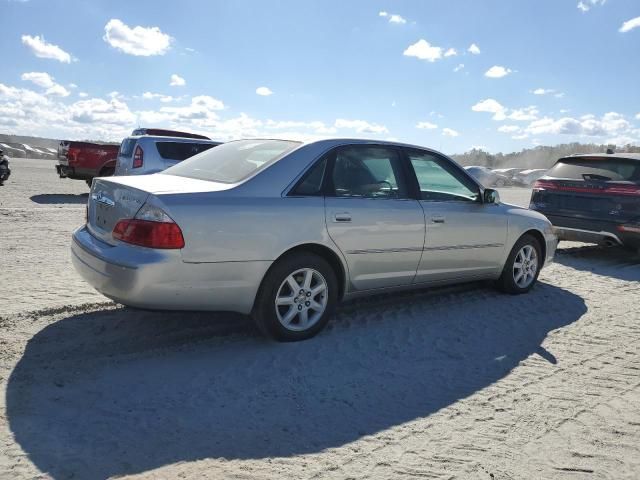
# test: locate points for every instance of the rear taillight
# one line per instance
(138, 157)
(151, 228)
(629, 228)
(542, 184)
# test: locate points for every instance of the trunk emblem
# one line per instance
(103, 199)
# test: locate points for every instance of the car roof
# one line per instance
(172, 139)
(627, 156)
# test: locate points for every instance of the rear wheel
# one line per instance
(523, 266)
(296, 298)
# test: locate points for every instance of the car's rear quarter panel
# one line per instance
(225, 228)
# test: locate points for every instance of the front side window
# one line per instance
(369, 172)
(439, 182)
(233, 162)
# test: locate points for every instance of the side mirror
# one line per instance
(490, 196)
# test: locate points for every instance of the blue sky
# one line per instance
(541, 72)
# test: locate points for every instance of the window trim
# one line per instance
(449, 166)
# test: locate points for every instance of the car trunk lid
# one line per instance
(116, 198)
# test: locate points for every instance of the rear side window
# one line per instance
(126, 147)
(311, 183)
(181, 150)
(610, 169)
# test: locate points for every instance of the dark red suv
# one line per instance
(592, 198)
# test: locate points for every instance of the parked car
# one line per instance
(86, 160)
(153, 150)
(526, 178)
(488, 177)
(593, 198)
(509, 173)
(284, 230)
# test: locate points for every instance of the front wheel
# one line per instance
(296, 298)
(523, 266)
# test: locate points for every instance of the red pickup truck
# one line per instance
(85, 160)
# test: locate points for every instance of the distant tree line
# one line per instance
(537, 157)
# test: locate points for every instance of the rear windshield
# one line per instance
(615, 169)
(181, 150)
(126, 147)
(234, 161)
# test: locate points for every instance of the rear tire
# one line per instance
(296, 298)
(521, 270)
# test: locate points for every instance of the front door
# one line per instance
(465, 238)
(370, 217)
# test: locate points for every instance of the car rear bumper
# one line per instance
(159, 279)
(595, 231)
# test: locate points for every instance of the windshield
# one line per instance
(616, 169)
(234, 161)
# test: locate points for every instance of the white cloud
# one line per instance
(611, 124)
(41, 79)
(177, 81)
(473, 48)
(490, 105)
(44, 80)
(360, 126)
(83, 94)
(542, 91)
(58, 90)
(424, 51)
(509, 129)
(630, 25)
(638, 116)
(585, 5)
(451, 52)
(524, 114)
(159, 96)
(317, 127)
(501, 112)
(497, 71)
(41, 49)
(450, 132)
(426, 125)
(264, 91)
(98, 110)
(138, 41)
(393, 18)
(459, 67)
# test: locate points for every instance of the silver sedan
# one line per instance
(284, 230)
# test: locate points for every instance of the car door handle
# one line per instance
(342, 217)
(437, 219)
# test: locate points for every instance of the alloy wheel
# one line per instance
(301, 299)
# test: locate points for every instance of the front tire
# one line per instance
(296, 298)
(522, 267)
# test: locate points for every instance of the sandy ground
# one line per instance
(454, 383)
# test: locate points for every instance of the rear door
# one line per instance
(598, 189)
(371, 218)
(465, 238)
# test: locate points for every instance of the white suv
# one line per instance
(153, 150)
